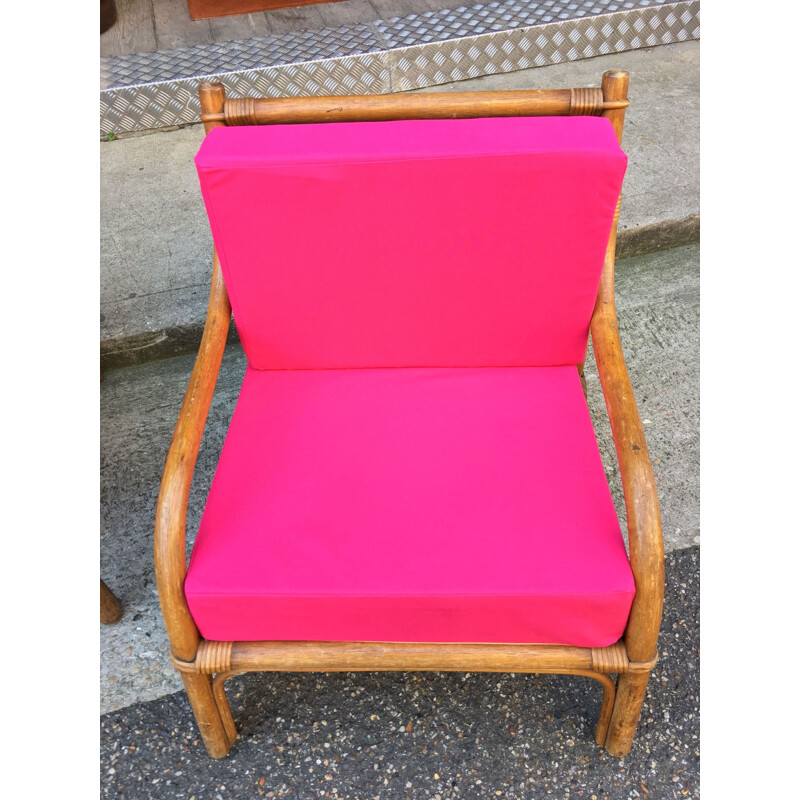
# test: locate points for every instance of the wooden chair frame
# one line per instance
(206, 665)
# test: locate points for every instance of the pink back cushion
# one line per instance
(416, 243)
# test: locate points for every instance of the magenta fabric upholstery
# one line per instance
(415, 243)
(411, 457)
(464, 504)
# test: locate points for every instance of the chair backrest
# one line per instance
(412, 242)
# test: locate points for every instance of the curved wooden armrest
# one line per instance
(173, 497)
(638, 481)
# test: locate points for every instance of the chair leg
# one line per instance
(218, 686)
(606, 709)
(110, 608)
(631, 688)
(207, 714)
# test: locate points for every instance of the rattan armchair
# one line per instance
(206, 664)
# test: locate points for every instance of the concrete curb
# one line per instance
(658, 236)
(131, 351)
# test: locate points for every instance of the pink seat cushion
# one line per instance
(417, 243)
(442, 505)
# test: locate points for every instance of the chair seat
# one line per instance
(411, 505)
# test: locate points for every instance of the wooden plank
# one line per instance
(133, 32)
(175, 28)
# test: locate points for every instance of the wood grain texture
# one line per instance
(173, 497)
(636, 471)
(631, 689)
(218, 687)
(610, 659)
(638, 482)
(376, 108)
(170, 529)
(393, 656)
(213, 657)
(212, 103)
(212, 727)
(586, 102)
(297, 656)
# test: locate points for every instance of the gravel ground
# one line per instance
(424, 735)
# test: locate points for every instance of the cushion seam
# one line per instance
(255, 165)
(411, 596)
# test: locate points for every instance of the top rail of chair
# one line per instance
(439, 105)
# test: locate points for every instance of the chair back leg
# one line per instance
(110, 608)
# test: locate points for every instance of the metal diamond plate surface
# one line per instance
(454, 23)
(159, 105)
(540, 45)
(213, 59)
(155, 90)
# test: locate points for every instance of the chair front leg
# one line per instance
(207, 714)
(631, 688)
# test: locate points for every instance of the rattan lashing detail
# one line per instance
(642, 666)
(240, 111)
(212, 658)
(614, 659)
(610, 659)
(585, 102)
